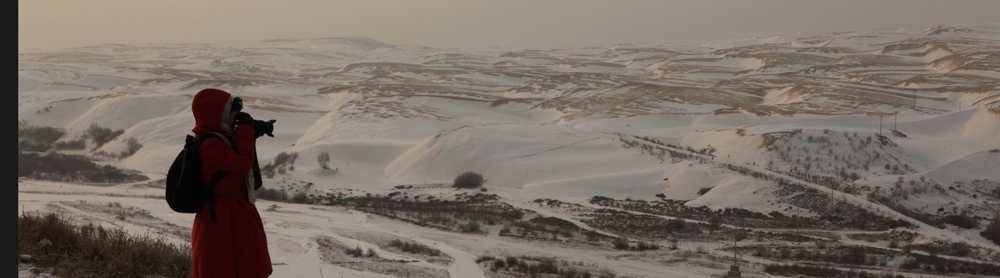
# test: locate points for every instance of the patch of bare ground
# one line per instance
(72, 57)
(527, 266)
(479, 213)
(389, 108)
(771, 137)
(640, 99)
(388, 68)
(449, 58)
(829, 50)
(678, 68)
(789, 59)
(450, 215)
(501, 102)
(574, 63)
(401, 245)
(228, 82)
(874, 60)
(277, 105)
(68, 84)
(951, 79)
(337, 253)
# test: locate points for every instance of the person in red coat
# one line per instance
(233, 244)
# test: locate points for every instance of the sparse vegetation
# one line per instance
(36, 138)
(443, 214)
(90, 250)
(131, 147)
(71, 168)
(413, 247)
(278, 164)
(542, 267)
(797, 270)
(470, 227)
(101, 135)
(78, 144)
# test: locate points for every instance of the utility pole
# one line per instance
(880, 124)
(894, 118)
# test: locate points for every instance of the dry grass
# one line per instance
(90, 250)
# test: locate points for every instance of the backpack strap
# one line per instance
(211, 191)
(223, 137)
(219, 174)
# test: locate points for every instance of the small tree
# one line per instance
(621, 243)
(323, 158)
(469, 180)
(715, 222)
(101, 135)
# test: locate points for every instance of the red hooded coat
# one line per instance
(234, 245)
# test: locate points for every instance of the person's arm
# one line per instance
(234, 162)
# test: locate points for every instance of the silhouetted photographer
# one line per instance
(228, 238)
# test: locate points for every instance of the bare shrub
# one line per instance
(283, 158)
(356, 252)
(470, 227)
(131, 146)
(961, 220)
(621, 243)
(417, 248)
(278, 164)
(101, 135)
(797, 270)
(469, 180)
(323, 158)
(271, 194)
(78, 144)
(645, 245)
(299, 198)
(35, 138)
(715, 222)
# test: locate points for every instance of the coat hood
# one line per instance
(211, 108)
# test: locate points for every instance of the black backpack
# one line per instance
(186, 192)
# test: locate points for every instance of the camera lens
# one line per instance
(237, 105)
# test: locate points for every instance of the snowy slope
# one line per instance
(544, 124)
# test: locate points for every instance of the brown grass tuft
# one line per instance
(90, 250)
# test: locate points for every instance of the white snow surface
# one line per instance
(536, 124)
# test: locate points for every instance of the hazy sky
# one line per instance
(48, 25)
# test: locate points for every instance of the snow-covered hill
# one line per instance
(767, 126)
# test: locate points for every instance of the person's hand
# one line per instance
(242, 118)
(261, 127)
